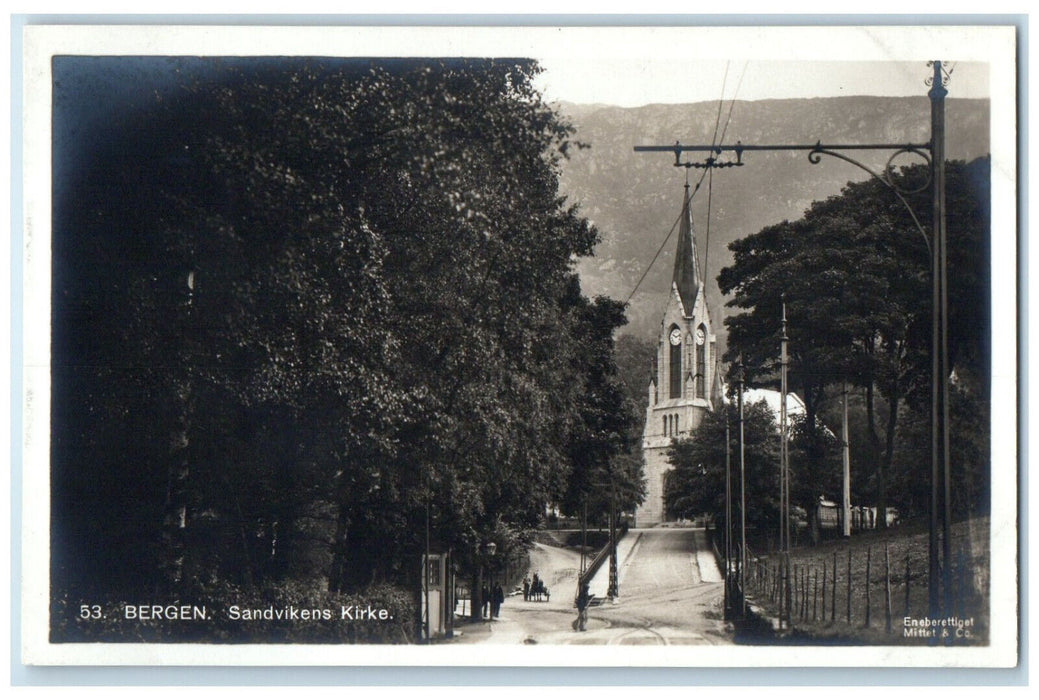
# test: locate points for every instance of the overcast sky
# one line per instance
(630, 83)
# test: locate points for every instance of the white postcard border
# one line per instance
(994, 45)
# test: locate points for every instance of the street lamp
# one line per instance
(489, 549)
(484, 553)
(728, 521)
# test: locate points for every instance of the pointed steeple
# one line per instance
(686, 276)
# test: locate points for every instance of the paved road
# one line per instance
(670, 594)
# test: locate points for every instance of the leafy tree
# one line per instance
(334, 299)
(634, 357)
(603, 476)
(697, 482)
(855, 275)
(815, 466)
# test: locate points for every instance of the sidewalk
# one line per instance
(705, 561)
(503, 630)
(600, 583)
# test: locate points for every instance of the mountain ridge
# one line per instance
(634, 198)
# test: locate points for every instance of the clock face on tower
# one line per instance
(676, 336)
(699, 336)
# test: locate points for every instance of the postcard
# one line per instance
(519, 346)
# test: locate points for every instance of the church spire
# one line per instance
(686, 277)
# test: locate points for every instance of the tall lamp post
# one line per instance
(613, 587)
(939, 351)
(784, 467)
(484, 556)
(741, 599)
(490, 549)
(728, 521)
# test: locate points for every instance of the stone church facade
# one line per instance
(684, 384)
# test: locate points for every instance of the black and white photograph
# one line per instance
(623, 346)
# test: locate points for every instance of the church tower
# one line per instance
(683, 385)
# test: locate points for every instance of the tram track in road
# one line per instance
(666, 617)
(663, 600)
(644, 625)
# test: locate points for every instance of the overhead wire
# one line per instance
(714, 142)
(710, 182)
(659, 250)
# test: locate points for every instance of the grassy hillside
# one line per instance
(821, 619)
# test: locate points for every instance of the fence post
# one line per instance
(806, 576)
(906, 613)
(833, 601)
(887, 590)
(801, 592)
(796, 592)
(824, 591)
(849, 586)
(815, 596)
(869, 564)
(795, 599)
(804, 592)
(961, 583)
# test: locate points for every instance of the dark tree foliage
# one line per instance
(302, 307)
(635, 357)
(855, 273)
(603, 475)
(815, 464)
(696, 485)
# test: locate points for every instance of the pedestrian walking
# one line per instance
(496, 601)
(582, 601)
(526, 588)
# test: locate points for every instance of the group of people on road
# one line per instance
(535, 589)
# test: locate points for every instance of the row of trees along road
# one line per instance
(298, 303)
(855, 272)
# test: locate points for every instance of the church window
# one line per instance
(665, 424)
(701, 362)
(675, 374)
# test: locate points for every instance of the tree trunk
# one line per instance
(889, 455)
(814, 458)
(339, 556)
(874, 442)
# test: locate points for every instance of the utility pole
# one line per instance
(846, 455)
(612, 588)
(743, 504)
(939, 350)
(933, 152)
(728, 520)
(425, 573)
(784, 464)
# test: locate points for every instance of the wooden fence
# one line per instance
(862, 589)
